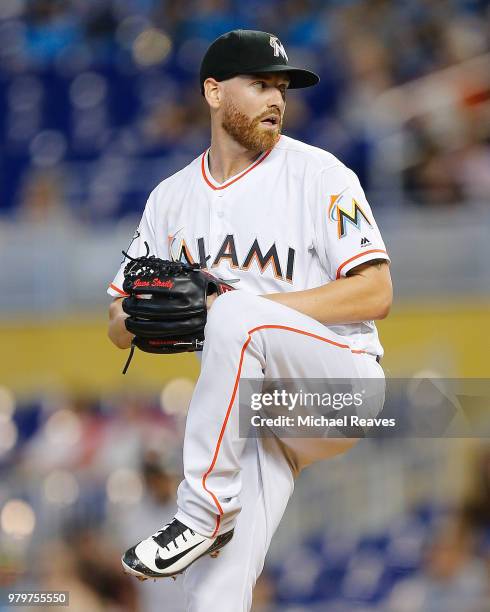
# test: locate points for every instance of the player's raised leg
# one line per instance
(267, 467)
(247, 336)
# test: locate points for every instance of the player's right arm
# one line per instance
(117, 331)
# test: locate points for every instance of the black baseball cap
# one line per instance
(251, 52)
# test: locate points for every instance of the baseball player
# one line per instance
(290, 224)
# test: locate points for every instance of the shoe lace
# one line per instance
(164, 537)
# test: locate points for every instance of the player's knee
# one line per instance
(228, 314)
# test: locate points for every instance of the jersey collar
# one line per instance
(217, 186)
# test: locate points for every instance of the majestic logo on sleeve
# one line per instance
(355, 216)
(276, 44)
(255, 257)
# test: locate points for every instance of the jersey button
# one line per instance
(220, 213)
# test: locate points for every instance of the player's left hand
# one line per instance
(167, 303)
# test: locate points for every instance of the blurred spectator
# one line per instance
(42, 199)
(59, 569)
(361, 49)
(474, 174)
(157, 506)
(475, 511)
(97, 567)
(432, 176)
(452, 578)
(264, 594)
(52, 26)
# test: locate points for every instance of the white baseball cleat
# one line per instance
(170, 551)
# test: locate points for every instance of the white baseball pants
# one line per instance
(232, 482)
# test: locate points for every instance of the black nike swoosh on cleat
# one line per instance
(164, 563)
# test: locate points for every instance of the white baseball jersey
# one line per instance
(295, 219)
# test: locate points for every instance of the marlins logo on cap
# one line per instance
(276, 44)
(249, 52)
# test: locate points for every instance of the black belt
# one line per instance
(378, 358)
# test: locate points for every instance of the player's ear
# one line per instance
(212, 92)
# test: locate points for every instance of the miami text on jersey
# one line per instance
(227, 252)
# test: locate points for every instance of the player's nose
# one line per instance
(276, 98)
(275, 107)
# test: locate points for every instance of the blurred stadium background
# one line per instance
(99, 102)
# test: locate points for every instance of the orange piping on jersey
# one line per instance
(118, 290)
(203, 169)
(342, 265)
(233, 395)
(218, 523)
(305, 333)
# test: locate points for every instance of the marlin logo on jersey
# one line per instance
(276, 44)
(227, 252)
(343, 217)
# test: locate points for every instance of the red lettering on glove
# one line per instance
(156, 282)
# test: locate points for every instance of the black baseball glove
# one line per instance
(166, 304)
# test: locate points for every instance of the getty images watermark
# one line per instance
(393, 408)
(296, 402)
